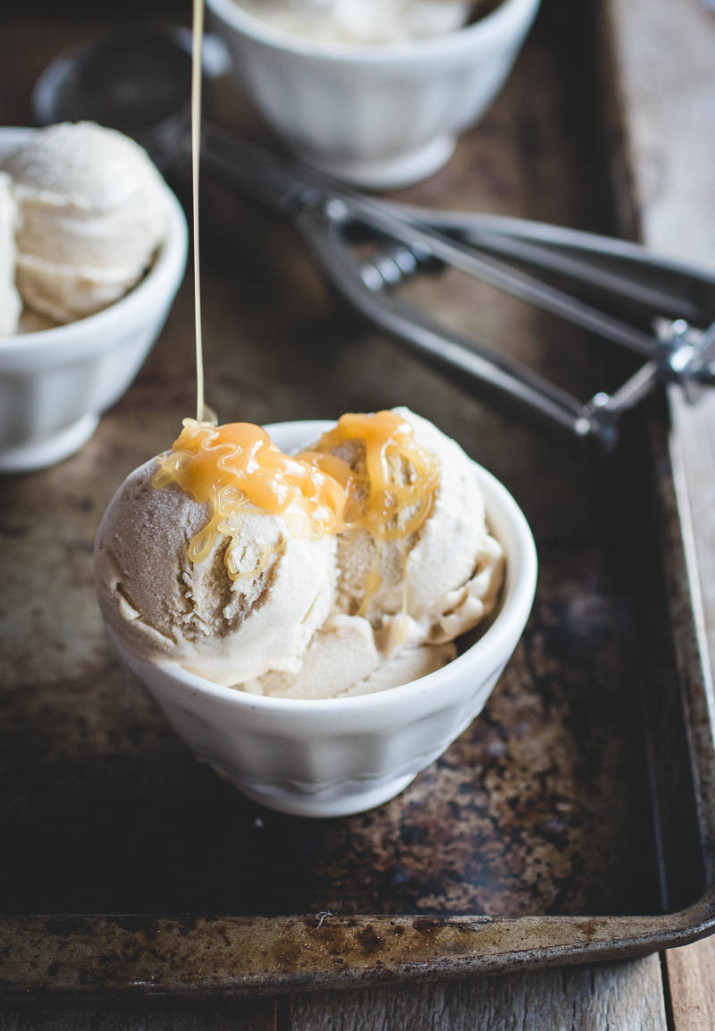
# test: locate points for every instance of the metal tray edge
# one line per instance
(136, 956)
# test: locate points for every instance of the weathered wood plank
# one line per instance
(140, 1015)
(663, 56)
(627, 997)
(691, 982)
(664, 62)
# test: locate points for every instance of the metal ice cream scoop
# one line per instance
(139, 83)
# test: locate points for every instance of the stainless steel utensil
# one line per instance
(139, 83)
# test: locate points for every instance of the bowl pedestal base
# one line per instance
(38, 454)
(390, 173)
(340, 804)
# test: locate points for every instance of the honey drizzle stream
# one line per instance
(203, 414)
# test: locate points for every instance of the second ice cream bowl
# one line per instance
(380, 115)
(335, 757)
(54, 383)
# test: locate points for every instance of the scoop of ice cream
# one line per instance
(363, 21)
(404, 666)
(161, 604)
(9, 298)
(437, 582)
(341, 653)
(223, 555)
(32, 321)
(342, 660)
(93, 212)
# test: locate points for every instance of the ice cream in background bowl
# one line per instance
(375, 92)
(92, 212)
(305, 632)
(93, 247)
(366, 22)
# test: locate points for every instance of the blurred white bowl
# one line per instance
(335, 757)
(55, 383)
(378, 116)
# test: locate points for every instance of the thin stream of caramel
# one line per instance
(202, 412)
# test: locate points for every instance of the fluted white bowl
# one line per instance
(335, 757)
(377, 116)
(55, 383)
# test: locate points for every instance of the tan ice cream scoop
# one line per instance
(161, 604)
(438, 581)
(342, 660)
(93, 212)
(417, 565)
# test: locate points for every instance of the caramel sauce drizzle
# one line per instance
(231, 466)
(391, 493)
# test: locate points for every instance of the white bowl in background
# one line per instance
(378, 116)
(55, 383)
(336, 757)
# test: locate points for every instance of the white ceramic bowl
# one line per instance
(55, 383)
(335, 757)
(377, 116)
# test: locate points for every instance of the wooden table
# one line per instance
(663, 60)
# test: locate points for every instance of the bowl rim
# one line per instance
(515, 607)
(506, 18)
(166, 266)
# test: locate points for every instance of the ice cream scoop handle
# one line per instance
(290, 187)
(270, 180)
(616, 269)
(469, 363)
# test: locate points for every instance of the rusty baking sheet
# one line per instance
(573, 821)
